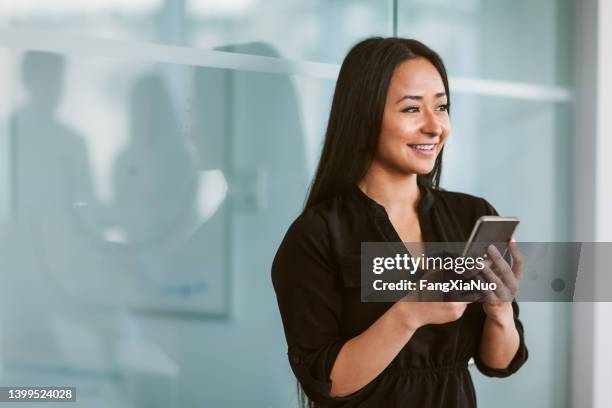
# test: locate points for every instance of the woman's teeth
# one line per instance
(423, 146)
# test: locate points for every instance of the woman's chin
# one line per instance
(410, 168)
(420, 166)
(421, 170)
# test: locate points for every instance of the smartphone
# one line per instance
(490, 229)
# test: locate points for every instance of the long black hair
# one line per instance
(357, 110)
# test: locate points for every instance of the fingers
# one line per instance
(494, 255)
(501, 292)
(471, 273)
(490, 276)
(507, 274)
(517, 260)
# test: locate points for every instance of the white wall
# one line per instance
(592, 332)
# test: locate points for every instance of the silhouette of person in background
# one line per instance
(51, 169)
(50, 172)
(57, 326)
(155, 176)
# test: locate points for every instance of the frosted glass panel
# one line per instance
(319, 30)
(497, 39)
(517, 154)
(140, 226)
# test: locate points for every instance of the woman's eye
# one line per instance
(443, 107)
(411, 109)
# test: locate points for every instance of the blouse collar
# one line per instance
(425, 204)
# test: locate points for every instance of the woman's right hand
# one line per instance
(422, 307)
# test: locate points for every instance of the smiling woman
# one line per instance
(378, 181)
(368, 102)
(415, 116)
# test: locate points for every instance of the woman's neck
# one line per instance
(394, 192)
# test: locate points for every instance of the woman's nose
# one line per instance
(431, 125)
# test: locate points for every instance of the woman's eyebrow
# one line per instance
(419, 97)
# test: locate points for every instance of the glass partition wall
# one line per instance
(153, 154)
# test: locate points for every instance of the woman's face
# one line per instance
(415, 121)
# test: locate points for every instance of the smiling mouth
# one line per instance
(423, 147)
(426, 151)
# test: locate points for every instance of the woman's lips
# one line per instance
(424, 150)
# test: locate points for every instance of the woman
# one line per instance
(378, 180)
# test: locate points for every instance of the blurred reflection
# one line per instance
(155, 176)
(63, 317)
(50, 171)
(250, 124)
(50, 165)
(167, 220)
(191, 204)
(48, 332)
(268, 143)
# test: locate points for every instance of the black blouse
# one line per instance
(316, 276)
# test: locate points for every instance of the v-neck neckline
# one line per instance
(380, 213)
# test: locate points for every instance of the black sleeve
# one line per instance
(517, 361)
(522, 353)
(309, 297)
(488, 209)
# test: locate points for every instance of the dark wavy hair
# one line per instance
(356, 116)
(357, 110)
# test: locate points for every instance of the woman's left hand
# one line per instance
(507, 279)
